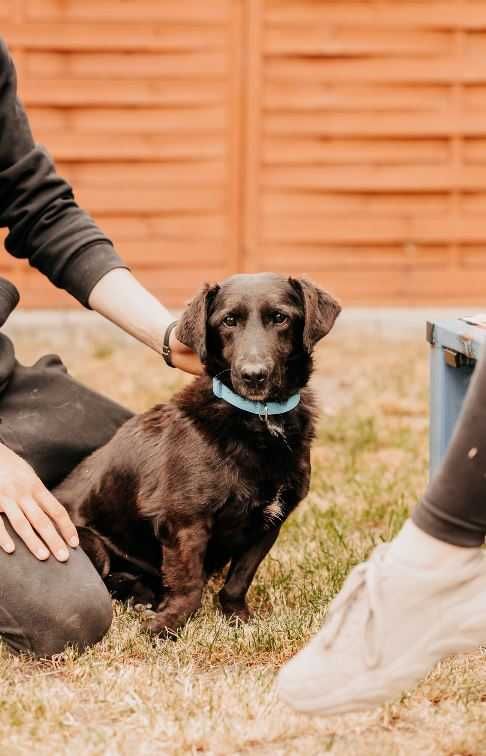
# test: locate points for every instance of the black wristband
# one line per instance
(166, 350)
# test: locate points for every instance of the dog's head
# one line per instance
(258, 331)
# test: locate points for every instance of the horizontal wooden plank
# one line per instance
(325, 40)
(152, 177)
(297, 151)
(405, 70)
(474, 44)
(195, 227)
(422, 125)
(157, 121)
(128, 10)
(168, 255)
(79, 146)
(315, 258)
(433, 14)
(67, 92)
(474, 150)
(150, 201)
(114, 35)
(312, 96)
(124, 65)
(472, 256)
(473, 202)
(474, 96)
(348, 204)
(376, 178)
(406, 231)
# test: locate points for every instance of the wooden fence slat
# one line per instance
(151, 177)
(300, 151)
(131, 10)
(62, 92)
(322, 39)
(354, 204)
(57, 35)
(473, 202)
(290, 229)
(131, 147)
(195, 227)
(125, 65)
(439, 70)
(378, 177)
(151, 201)
(358, 97)
(315, 259)
(427, 15)
(373, 124)
(162, 122)
(170, 254)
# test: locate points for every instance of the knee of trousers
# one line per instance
(79, 624)
(63, 605)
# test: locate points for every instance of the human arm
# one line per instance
(119, 297)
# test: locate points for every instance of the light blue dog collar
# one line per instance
(257, 408)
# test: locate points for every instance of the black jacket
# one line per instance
(38, 207)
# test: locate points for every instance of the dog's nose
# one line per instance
(254, 375)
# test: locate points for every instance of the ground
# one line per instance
(210, 692)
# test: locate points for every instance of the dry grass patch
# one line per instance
(211, 691)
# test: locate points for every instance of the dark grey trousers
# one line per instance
(53, 422)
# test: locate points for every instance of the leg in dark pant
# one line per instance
(53, 422)
(454, 506)
(44, 606)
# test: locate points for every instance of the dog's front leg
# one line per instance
(242, 570)
(183, 555)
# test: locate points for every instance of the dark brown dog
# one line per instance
(190, 486)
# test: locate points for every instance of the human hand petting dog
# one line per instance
(184, 358)
(119, 297)
(34, 514)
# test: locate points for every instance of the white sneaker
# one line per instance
(384, 631)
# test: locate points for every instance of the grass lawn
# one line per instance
(211, 691)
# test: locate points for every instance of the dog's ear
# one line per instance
(191, 329)
(320, 311)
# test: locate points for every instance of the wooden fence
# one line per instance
(346, 140)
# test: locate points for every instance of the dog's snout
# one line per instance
(254, 375)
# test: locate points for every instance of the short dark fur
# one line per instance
(193, 485)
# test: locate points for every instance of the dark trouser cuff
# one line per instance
(445, 527)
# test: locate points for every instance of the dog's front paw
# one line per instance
(235, 611)
(164, 625)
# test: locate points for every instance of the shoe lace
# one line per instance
(364, 575)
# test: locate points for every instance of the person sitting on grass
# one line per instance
(50, 594)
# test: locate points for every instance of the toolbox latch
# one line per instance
(456, 359)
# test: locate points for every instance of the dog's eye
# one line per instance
(278, 318)
(229, 321)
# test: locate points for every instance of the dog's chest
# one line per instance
(250, 506)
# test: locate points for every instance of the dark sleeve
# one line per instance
(38, 207)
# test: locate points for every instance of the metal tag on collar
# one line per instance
(264, 415)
